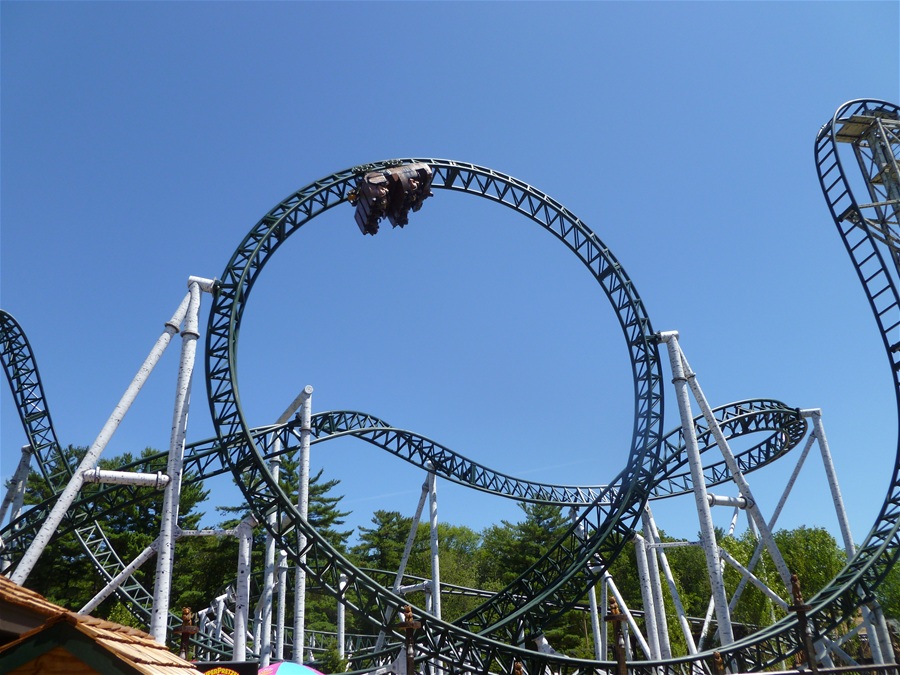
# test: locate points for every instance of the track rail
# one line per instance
(561, 574)
(486, 638)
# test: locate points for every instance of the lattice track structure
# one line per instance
(481, 640)
(564, 573)
(206, 459)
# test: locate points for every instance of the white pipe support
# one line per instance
(670, 581)
(15, 492)
(831, 477)
(117, 580)
(435, 554)
(724, 500)
(303, 509)
(282, 600)
(341, 633)
(204, 284)
(662, 624)
(757, 553)
(882, 634)
(736, 475)
(169, 522)
(662, 545)
(650, 615)
(424, 586)
(404, 559)
(707, 528)
(629, 617)
(302, 397)
(604, 633)
(242, 593)
(157, 480)
(756, 581)
(205, 533)
(595, 623)
(68, 495)
(268, 590)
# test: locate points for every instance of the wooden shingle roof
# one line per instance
(91, 640)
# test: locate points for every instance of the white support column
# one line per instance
(736, 475)
(341, 635)
(662, 624)
(242, 594)
(831, 476)
(157, 481)
(595, 624)
(878, 644)
(757, 553)
(435, 557)
(268, 590)
(303, 508)
(707, 529)
(220, 616)
(269, 582)
(166, 557)
(64, 501)
(670, 580)
(116, 581)
(604, 632)
(282, 600)
(630, 622)
(15, 491)
(650, 616)
(401, 570)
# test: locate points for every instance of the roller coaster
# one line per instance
(494, 636)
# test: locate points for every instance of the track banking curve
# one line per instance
(205, 459)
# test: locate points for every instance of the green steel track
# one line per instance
(489, 638)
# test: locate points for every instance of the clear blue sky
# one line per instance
(141, 141)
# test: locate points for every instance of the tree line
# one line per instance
(487, 560)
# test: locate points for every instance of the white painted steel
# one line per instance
(662, 624)
(757, 553)
(724, 500)
(242, 594)
(15, 492)
(629, 617)
(876, 646)
(404, 559)
(604, 633)
(68, 495)
(305, 397)
(756, 581)
(269, 578)
(650, 615)
(595, 624)
(736, 475)
(670, 580)
(341, 634)
(707, 529)
(165, 559)
(116, 581)
(268, 589)
(156, 480)
(282, 601)
(435, 557)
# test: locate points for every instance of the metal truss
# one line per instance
(561, 574)
(490, 638)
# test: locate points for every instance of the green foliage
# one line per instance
(509, 549)
(488, 560)
(331, 662)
